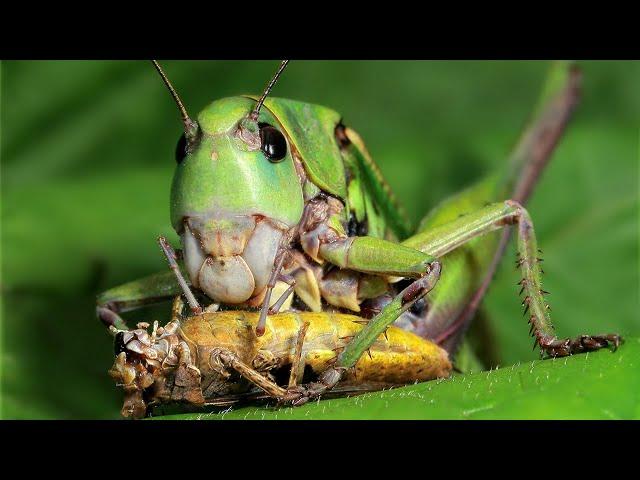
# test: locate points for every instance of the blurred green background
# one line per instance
(87, 159)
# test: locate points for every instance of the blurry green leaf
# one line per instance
(598, 385)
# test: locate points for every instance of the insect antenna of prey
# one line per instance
(256, 111)
(186, 120)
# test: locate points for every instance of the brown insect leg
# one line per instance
(187, 379)
(283, 298)
(264, 310)
(170, 254)
(297, 356)
(176, 308)
(231, 360)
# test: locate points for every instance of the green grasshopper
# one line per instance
(272, 193)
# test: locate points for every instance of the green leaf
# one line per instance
(597, 385)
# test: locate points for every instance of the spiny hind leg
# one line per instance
(445, 238)
(442, 240)
(531, 286)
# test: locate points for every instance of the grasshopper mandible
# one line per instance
(274, 193)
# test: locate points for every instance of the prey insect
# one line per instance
(216, 359)
(272, 195)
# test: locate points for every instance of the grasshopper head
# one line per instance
(235, 193)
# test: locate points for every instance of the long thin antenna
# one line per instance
(256, 111)
(188, 123)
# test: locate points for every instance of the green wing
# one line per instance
(377, 190)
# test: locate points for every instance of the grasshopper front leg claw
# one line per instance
(555, 347)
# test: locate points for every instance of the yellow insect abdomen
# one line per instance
(398, 357)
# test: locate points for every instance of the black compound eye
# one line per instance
(181, 149)
(272, 143)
